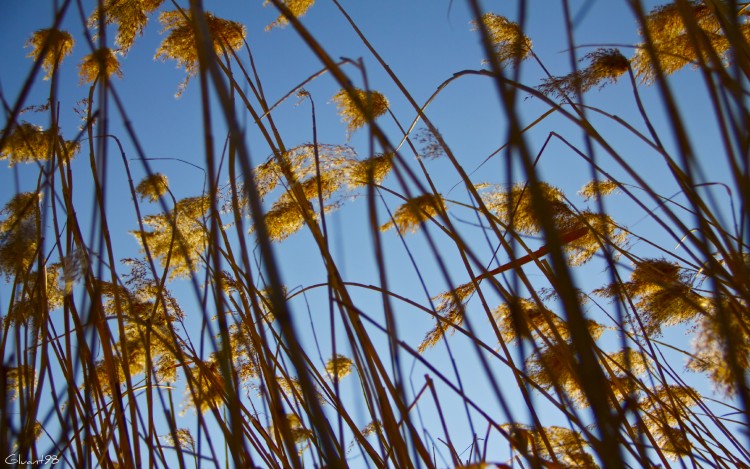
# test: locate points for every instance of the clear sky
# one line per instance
(424, 42)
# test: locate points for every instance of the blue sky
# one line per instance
(424, 42)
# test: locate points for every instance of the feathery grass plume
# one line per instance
(410, 215)
(299, 433)
(672, 399)
(180, 44)
(243, 355)
(26, 143)
(554, 365)
(297, 7)
(101, 63)
(19, 234)
(673, 441)
(292, 388)
(450, 309)
(674, 46)
(25, 309)
(599, 229)
(152, 187)
(523, 318)
(510, 43)
(519, 436)
(710, 344)
(179, 236)
(665, 297)
(148, 314)
(267, 177)
(207, 389)
(301, 161)
(59, 44)
(16, 379)
(371, 170)
(607, 65)
(316, 181)
(430, 147)
(339, 366)
(130, 16)
(374, 105)
(627, 360)
(569, 446)
(662, 411)
(597, 188)
(283, 220)
(514, 207)
(181, 438)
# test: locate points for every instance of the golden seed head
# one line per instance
(511, 44)
(152, 187)
(54, 44)
(180, 44)
(297, 7)
(410, 216)
(356, 112)
(100, 63)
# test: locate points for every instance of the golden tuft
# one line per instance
(19, 234)
(674, 47)
(524, 318)
(410, 216)
(568, 445)
(152, 187)
(599, 230)
(180, 44)
(367, 106)
(27, 143)
(515, 208)
(319, 172)
(510, 43)
(672, 441)
(179, 236)
(181, 438)
(373, 170)
(17, 379)
(607, 65)
(100, 63)
(297, 7)
(449, 311)
(597, 189)
(54, 44)
(554, 366)
(300, 434)
(339, 366)
(710, 354)
(208, 388)
(665, 297)
(130, 16)
(627, 361)
(283, 220)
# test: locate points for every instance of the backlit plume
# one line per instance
(297, 7)
(50, 46)
(180, 44)
(510, 43)
(371, 105)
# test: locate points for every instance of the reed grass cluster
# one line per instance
(538, 330)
